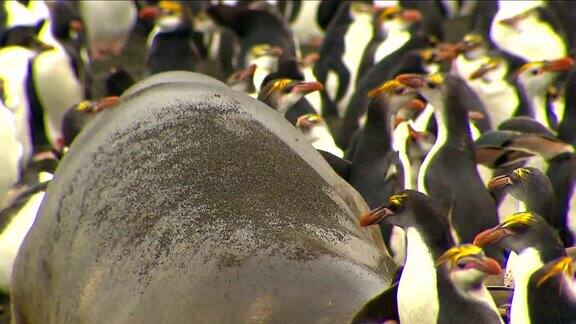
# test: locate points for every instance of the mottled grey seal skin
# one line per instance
(193, 203)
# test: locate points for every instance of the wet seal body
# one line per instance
(190, 202)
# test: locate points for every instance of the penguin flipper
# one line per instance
(341, 166)
(381, 308)
(344, 82)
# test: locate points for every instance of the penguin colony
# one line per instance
(454, 120)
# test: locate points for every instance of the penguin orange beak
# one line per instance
(411, 80)
(411, 16)
(149, 13)
(76, 25)
(375, 216)
(415, 104)
(481, 71)
(277, 51)
(303, 122)
(105, 103)
(491, 235)
(499, 182)
(246, 73)
(307, 87)
(560, 65)
(486, 265)
(310, 59)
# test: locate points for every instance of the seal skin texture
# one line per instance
(191, 202)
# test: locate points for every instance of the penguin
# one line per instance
(17, 217)
(528, 29)
(107, 39)
(551, 297)
(265, 57)
(535, 77)
(449, 171)
(426, 293)
(342, 50)
(254, 27)
(171, 46)
(531, 238)
(468, 268)
(79, 116)
(316, 131)
(532, 189)
(11, 159)
(281, 94)
(395, 28)
(14, 13)
(559, 164)
(410, 58)
(304, 23)
(243, 80)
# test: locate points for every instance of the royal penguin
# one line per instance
(551, 297)
(243, 80)
(528, 29)
(108, 25)
(118, 81)
(316, 131)
(426, 292)
(19, 214)
(567, 125)
(342, 51)
(468, 269)
(449, 172)
(534, 242)
(535, 78)
(265, 59)
(282, 94)
(11, 158)
(254, 27)
(395, 27)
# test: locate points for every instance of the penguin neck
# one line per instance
(540, 110)
(452, 122)
(417, 290)
(526, 263)
(400, 137)
(377, 128)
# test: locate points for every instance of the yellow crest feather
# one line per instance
(279, 85)
(456, 253)
(386, 87)
(170, 6)
(397, 200)
(524, 218)
(82, 106)
(521, 173)
(563, 265)
(436, 78)
(312, 117)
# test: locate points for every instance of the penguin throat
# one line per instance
(540, 111)
(417, 290)
(525, 264)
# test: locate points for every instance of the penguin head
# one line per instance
(23, 36)
(492, 69)
(358, 10)
(472, 46)
(527, 184)
(537, 76)
(560, 269)
(432, 86)
(265, 56)
(410, 209)
(397, 19)
(243, 80)
(491, 150)
(468, 266)
(167, 14)
(514, 16)
(394, 93)
(520, 231)
(281, 94)
(312, 126)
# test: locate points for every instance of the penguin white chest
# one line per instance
(524, 265)
(392, 43)
(417, 291)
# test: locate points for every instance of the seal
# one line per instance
(191, 202)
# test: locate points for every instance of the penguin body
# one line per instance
(108, 26)
(10, 160)
(342, 50)
(550, 293)
(426, 293)
(304, 25)
(56, 86)
(173, 50)
(527, 29)
(449, 171)
(316, 131)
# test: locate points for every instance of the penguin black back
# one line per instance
(173, 50)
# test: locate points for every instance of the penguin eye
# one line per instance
(461, 265)
(288, 89)
(431, 85)
(399, 90)
(534, 71)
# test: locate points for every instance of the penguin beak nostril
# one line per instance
(499, 182)
(491, 235)
(375, 216)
